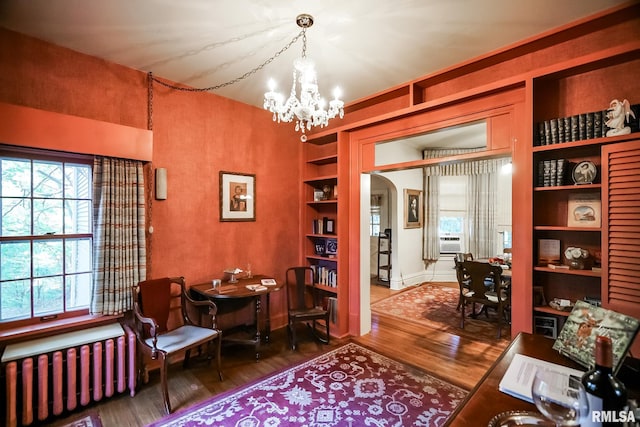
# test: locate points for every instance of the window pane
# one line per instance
(78, 255)
(77, 216)
(16, 178)
(16, 217)
(450, 224)
(15, 260)
(15, 299)
(47, 258)
(78, 291)
(47, 216)
(47, 295)
(47, 179)
(77, 181)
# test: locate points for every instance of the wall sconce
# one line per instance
(161, 184)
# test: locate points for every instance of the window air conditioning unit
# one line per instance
(450, 244)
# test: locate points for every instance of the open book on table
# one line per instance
(518, 378)
(577, 339)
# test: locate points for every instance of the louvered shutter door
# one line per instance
(621, 227)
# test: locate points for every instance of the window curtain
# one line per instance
(482, 198)
(431, 250)
(119, 233)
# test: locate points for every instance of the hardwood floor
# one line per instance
(458, 360)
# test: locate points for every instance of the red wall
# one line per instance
(195, 135)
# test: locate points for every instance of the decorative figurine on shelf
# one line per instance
(576, 257)
(617, 115)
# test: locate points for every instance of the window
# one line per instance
(374, 216)
(451, 225)
(46, 239)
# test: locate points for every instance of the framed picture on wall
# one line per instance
(413, 208)
(237, 196)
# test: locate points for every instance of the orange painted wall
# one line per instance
(195, 135)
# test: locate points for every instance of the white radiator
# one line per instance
(48, 376)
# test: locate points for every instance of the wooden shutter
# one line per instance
(621, 227)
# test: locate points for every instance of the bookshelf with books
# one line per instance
(568, 181)
(321, 226)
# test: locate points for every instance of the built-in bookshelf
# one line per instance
(321, 226)
(569, 176)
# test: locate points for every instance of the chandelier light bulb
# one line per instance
(307, 109)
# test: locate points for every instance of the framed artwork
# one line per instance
(548, 251)
(584, 172)
(584, 210)
(237, 196)
(331, 247)
(412, 208)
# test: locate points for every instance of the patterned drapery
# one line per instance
(482, 200)
(119, 233)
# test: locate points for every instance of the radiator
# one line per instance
(65, 372)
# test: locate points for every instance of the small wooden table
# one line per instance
(485, 401)
(232, 300)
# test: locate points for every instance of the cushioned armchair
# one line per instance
(164, 327)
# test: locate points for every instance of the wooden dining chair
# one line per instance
(165, 329)
(496, 296)
(305, 305)
(463, 282)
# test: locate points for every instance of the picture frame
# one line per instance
(584, 210)
(331, 247)
(329, 225)
(549, 252)
(413, 208)
(584, 172)
(237, 196)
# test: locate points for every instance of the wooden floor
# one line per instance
(458, 360)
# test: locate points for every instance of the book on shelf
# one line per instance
(332, 306)
(553, 130)
(585, 322)
(558, 266)
(518, 378)
(567, 129)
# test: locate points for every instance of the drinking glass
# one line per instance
(561, 398)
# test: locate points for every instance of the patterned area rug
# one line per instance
(435, 306)
(348, 386)
(92, 419)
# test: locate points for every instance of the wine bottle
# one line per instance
(606, 394)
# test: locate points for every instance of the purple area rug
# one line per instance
(348, 386)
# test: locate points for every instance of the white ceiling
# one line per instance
(363, 46)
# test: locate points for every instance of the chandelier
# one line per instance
(309, 109)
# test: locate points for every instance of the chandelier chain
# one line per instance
(150, 101)
(242, 77)
(304, 43)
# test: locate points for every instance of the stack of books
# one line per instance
(552, 172)
(579, 127)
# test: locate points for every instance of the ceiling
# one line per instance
(362, 46)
